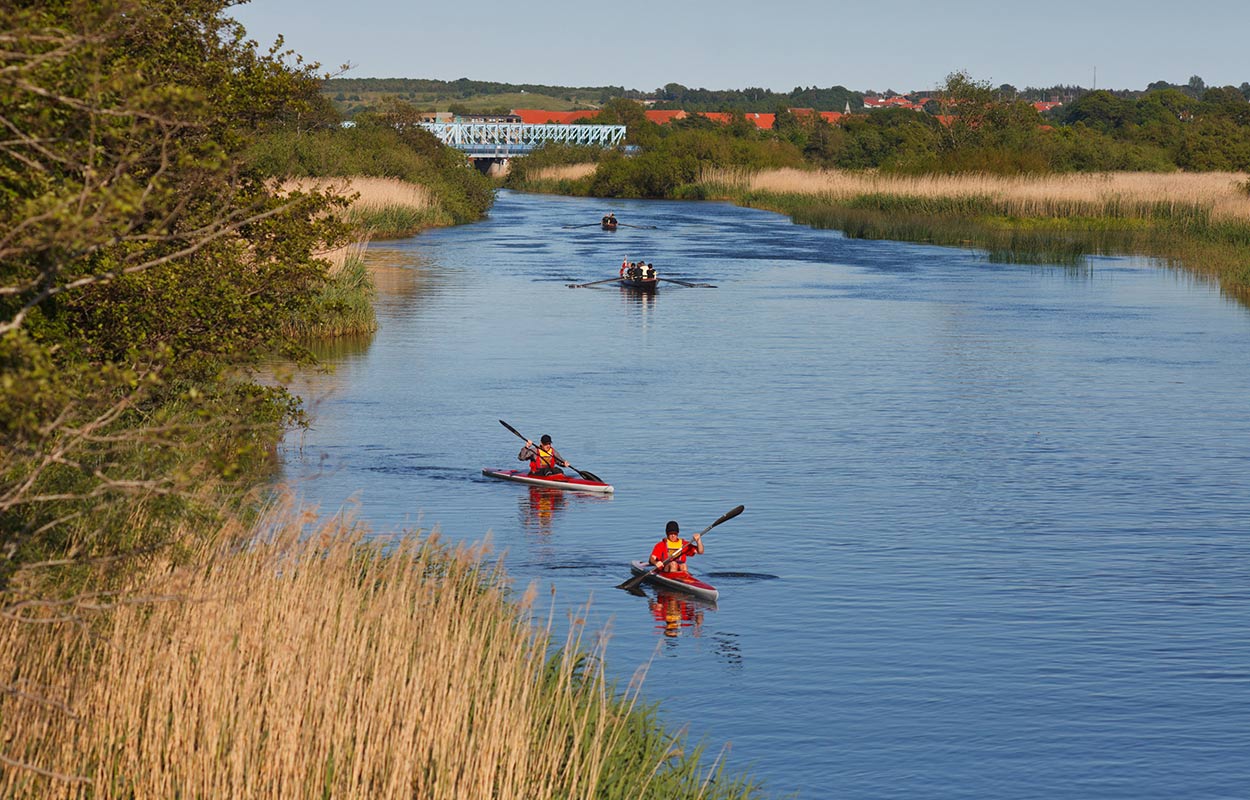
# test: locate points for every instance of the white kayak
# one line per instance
(681, 581)
(567, 482)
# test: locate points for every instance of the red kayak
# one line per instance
(681, 581)
(549, 481)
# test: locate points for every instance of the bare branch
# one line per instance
(47, 773)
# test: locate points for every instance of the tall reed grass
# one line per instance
(344, 307)
(1208, 196)
(383, 208)
(1198, 222)
(313, 663)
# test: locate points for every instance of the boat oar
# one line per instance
(633, 582)
(590, 476)
(684, 283)
(587, 225)
(592, 283)
(639, 227)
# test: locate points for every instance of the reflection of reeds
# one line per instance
(311, 664)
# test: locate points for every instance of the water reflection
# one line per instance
(539, 507)
(678, 613)
(641, 302)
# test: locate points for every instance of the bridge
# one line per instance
(491, 144)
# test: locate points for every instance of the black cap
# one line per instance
(546, 439)
(671, 527)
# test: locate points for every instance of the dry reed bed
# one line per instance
(306, 665)
(1125, 194)
(565, 172)
(374, 193)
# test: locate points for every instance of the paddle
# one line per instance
(683, 283)
(592, 283)
(639, 227)
(587, 225)
(590, 476)
(633, 582)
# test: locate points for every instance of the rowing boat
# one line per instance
(640, 284)
(681, 581)
(550, 481)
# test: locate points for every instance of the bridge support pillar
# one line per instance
(498, 168)
(495, 167)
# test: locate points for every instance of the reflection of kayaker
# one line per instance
(675, 612)
(542, 506)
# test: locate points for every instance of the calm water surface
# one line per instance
(996, 532)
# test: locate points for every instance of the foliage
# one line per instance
(550, 155)
(144, 268)
(375, 147)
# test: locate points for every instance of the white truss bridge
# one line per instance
(503, 140)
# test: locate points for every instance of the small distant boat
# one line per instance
(609, 223)
(641, 284)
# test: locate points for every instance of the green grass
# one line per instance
(344, 307)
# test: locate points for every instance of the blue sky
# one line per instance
(776, 44)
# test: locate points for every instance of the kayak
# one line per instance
(681, 581)
(550, 481)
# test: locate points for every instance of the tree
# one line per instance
(144, 267)
(964, 103)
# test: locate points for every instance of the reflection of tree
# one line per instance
(539, 508)
(675, 611)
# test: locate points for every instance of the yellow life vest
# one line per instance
(675, 548)
(544, 457)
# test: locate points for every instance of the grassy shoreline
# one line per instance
(378, 208)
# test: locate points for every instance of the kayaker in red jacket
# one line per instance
(674, 545)
(543, 458)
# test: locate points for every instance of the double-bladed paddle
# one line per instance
(590, 476)
(633, 582)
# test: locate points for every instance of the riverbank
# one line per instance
(315, 663)
(376, 209)
(1198, 222)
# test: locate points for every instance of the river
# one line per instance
(997, 534)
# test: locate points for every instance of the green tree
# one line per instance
(144, 267)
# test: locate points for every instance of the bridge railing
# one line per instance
(469, 136)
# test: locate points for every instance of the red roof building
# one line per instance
(533, 116)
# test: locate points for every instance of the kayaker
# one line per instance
(544, 460)
(673, 545)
